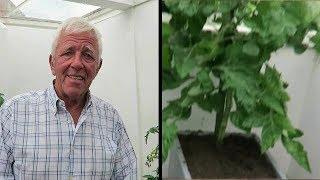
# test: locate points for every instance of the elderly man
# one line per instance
(64, 132)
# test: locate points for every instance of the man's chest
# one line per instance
(46, 149)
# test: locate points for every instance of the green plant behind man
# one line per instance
(153, 155)
(1, 99)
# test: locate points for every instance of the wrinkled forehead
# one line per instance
(87, 39)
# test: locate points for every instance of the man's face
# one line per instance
(75, 63)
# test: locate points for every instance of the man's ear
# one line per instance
(100, 64)
(51, 65)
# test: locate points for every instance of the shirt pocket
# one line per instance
(95, 159)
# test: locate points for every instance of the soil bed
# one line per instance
(238, 157)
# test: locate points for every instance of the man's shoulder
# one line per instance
(102, 104)
(28, 97)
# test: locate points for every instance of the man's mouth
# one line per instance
(76, 77)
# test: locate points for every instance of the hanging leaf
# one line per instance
(270, 134)
(297, 151)
(207, 102)
(1, 100)
(238, 120)
(169, 132)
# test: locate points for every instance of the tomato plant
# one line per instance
(226, 70)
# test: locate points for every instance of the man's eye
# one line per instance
(88, 56)
(68, 53)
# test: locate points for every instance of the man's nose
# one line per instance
(77, 61)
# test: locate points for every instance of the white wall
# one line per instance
(116, 81)
(24, 66)
(146, 25)
(303, 110)
(24, 54)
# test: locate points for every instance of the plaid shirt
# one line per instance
(40, 141)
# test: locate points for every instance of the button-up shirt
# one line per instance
(40, 141)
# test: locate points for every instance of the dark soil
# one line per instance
(238, 157)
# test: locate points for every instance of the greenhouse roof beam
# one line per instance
(17, 8)
(112, 4)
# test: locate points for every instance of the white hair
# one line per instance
(76, 25)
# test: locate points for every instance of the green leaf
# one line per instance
(186, 102)
(297, 151)
(273, 103)
(205, 50)
(195, 24)
(166, 59)
(269, 135)
(244, 82)
(238, 118)
(205, 80)
(273, 23)
(178, 21)
(169, 133)
(316, 40)
(209, 8)
(297, 39)
(305, 11)
(274, 85)
(250, 8)
(183, 62)
(195, 90)
(1, 100)
(188, 14)
(187, 7)
(185, 59)
(177, 110)
(150, 177)
(169, 111)
(300, 48)
(251, 48)
(152, 130)
(171, 80)
(294, 133)
(166, 31)
(282, 122)
(255, 119)
(226, 5)
(209, 102)
(179, 40)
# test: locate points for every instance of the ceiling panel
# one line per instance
(21, 12)
(17, 2)
(56, 10)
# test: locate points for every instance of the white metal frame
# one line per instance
(109, 8)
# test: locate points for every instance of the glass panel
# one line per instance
(57, 10)
(17, 2)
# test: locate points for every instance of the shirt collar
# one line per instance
(56, 103)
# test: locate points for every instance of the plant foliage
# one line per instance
(1, 99)
(153, 155)
(226, 70)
